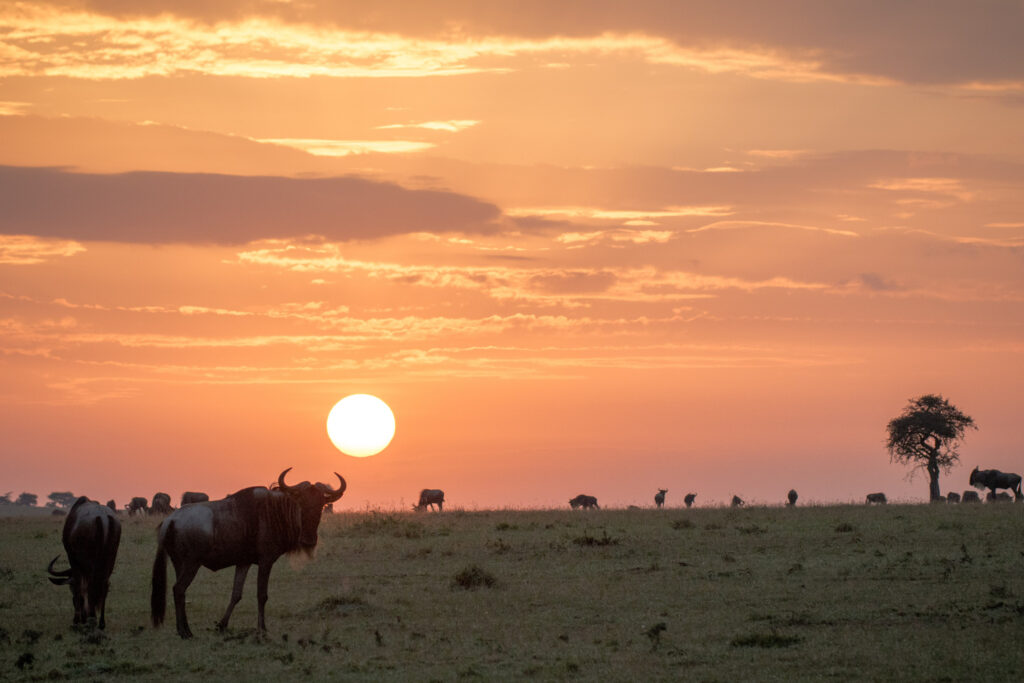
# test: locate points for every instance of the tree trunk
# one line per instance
(933, 480)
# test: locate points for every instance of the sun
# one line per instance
(361, 425)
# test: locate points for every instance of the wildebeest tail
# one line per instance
(158, 598)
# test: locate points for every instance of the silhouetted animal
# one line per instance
(970, 497)
(112, 505)
(952, 497)
(791, 496)
(251, 526)
(659, 497)
(994, 479)
(737, 502)
(138, 504)
(584, 501)
(1001, 497)
(161, 504)
(92, 534)
(429, 498)
(193, 497)
(690, 497)
(877, 498)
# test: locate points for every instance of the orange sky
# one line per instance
(584, 246)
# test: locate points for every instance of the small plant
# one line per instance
(473, 577)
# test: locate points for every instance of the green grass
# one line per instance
(844, 593)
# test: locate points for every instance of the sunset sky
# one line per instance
(578, 246)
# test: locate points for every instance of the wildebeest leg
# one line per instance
(185, 573)
(262, 579)
(241, 571)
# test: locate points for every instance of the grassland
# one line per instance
(834, 592)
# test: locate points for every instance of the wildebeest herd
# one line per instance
(257, 525)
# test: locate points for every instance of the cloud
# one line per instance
(153, 207)
(343, 148)
(27, 250)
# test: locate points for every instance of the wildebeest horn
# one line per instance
(331, 497)
(49, 568)
(280, 481)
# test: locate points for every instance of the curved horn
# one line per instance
(280, 481)
(335, 495)
(49, 568)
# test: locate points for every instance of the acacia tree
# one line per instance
(927, 434)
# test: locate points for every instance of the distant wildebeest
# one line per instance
(791, 496)
(429, 498)
(584, 501)
(112, 505)
(659, 497)
(251, 526)
(138, 504)
(193, 497)
(994, 479)
(952, 497)
(737, 502)
(161, 504)
(970, 497)
(877, 498)
(92, 534)
(1001, 497)
(690, 497)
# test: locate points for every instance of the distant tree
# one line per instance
(61, 499)
(28, 499)
(927, 435)
(6, 499)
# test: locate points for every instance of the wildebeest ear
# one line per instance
(59, 581)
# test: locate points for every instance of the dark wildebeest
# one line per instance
(791, 496)
(994, 479)
(251, 526)
(737, 502)
(430, 497)
(193, 497)
(952, 497)
(877, 498)
(161, 504)
(91, 536)
(138, 504)
(659, 497)
(112, 505)
(690, 497)
(970, 497)
(584, 501)
(1001, 497)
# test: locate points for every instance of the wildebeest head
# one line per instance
(973, 481)
(311, 499)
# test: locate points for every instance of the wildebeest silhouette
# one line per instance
(791, 497)
(92, 534)
(112, 505)
(430, 498)
(970, 497)
(659, 497)
(1001, 497)
(138, 505)
(994, 479)
(876, 498)
(952, 497)
(737, 502)
(689, 498)
(161, 504)
(193, 497)
(584, 501)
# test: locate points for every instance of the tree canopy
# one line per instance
(927, 434)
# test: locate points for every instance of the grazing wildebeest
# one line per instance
(877, 498)
(994, 479)
(431, 497)
(584, 501)
(952, 497)
(251, 526)
(138, 505)
(737, 501)
(791, 496)
(112, 505)
(659, 497)
(193, 497)
(970, 497)
(161, 504)
(1001, 497)
(690, 497)
(92, 534)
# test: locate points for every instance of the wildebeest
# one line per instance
(970, 497)
(1001, 497)
(952, 497)
(430, 497)
(690, 497)
(251, 526)
(92, 534)
(791, 497)
(659, 497)
(112, 505)
(994, 479)
(138, 504)
(161, 504)
(877, 498)
(584, 501)
(737, 502)
(193, 497)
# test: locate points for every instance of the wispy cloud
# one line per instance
(344, 148)
(453, 126)
(27, 249)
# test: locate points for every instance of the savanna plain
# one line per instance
(897, 592)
